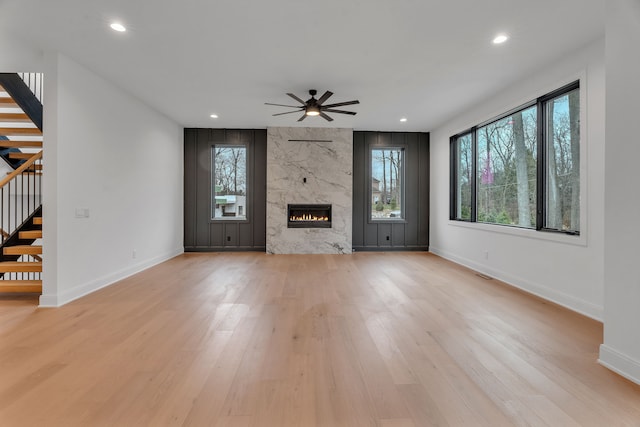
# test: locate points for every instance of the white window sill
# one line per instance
(549, 236)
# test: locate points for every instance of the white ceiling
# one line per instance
(425, 60)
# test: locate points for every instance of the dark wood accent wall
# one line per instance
(201, 233)
(413, 232)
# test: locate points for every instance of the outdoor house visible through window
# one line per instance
(229, 182)
(522, 168)
(387, 181)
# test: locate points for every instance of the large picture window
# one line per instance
(387, 183)
(522, 168)
(229, 198)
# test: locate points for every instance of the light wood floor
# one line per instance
(246, 339)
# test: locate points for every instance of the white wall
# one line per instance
(561, 268)
(111, 154)
(17, 56)
(621, 348)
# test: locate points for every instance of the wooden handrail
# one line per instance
(23, 167)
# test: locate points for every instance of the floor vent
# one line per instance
(484, 276)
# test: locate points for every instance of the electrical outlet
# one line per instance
(134, 254)
(486, 254)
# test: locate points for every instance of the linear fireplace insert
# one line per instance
(309, 216)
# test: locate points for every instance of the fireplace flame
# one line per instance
(308, 217)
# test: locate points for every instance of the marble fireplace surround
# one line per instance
(323, 158)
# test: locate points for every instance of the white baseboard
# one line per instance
(620, 363)
(572, 303)
(104, 281)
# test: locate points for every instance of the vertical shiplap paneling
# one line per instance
(413, 233)
(203, 234)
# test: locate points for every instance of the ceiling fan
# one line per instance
(315, 107)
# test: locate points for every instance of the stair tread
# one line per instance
(18, 267)
(7, 102)
(14, 118)
(27, 286)
(37, 220)
(30, 234)
(16, 155)
(23, 250)
(11, 263)
(20, 131)
(26, 282)
(19, 144)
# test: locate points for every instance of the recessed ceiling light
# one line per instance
(116, 26)
(214, 116)
(500, 38)
(404, 119)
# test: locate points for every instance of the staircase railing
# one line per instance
(23, 96)
(34, 81)
(20, 196)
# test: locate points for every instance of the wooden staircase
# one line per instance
(22, 280)
(21, 226)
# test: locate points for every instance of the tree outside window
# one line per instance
(523, 168)
(229, 182)
(387, 181)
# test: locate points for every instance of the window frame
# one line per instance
(403, 149)
(248, 178)
(541, 159)
(455, 175)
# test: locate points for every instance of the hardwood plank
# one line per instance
(249, 339)
(398, 422)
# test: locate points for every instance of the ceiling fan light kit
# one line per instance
(315, 107)
(312, 110)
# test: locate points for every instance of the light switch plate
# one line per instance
(82, 212)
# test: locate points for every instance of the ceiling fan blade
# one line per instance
(331, 110)
(324, 116)
(304, 116)
(297, 99)
(340, 104)
(324, 97)
(282, 105)
(288, 112)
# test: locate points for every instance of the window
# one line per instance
(229, 182)
(523, 168)
(562, 195)
(507, 170)
(464, 166)
(387, 182)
